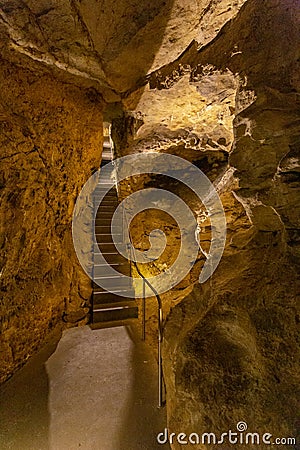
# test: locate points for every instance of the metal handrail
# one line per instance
(160, 319)
(160, 332)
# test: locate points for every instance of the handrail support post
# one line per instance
(144, 311)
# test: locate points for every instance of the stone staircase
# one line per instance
(110, 309)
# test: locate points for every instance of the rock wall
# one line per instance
(51, 138)
(232, 107)
(222, 91)
(238, 360)
(47, 48)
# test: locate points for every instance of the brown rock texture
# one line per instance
(215, 82)
(51, 137)
(113, 44)
(232, 107)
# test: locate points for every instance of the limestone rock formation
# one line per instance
(215, 82)
(232, 107)
(51, 135)
(58, 59)
(113, 44)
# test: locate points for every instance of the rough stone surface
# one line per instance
(51, 136)
(216, 82)
(114, 45)
(232, 107)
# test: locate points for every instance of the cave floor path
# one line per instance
(91, 389)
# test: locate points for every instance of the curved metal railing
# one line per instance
(160, 319)
(160, 324)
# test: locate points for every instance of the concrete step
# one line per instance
(104, 221)
(104, 267)
(107, 195)
(110, 199)
(107, 199)
(104, 162)
(107, 237)
(105, 228)
(107, 247)
(102, 296)
(104, 215)
(106, 209)
(122, 268)
(106, 202)
(112, 324)
(111, 315)
(122, 290)
(107, 206)
(119, 302)
(103, 212)
(104, 195)
(111, 258)
(99, 273)
(112, 282)
(107, 186)
(104, 181)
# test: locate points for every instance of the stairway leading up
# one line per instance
(110, 309)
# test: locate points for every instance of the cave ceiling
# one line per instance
(111, 45)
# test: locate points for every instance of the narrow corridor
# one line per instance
(96, 391)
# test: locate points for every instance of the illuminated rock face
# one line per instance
(232, 108)
(59, 58)
(51, 135)
(216, 83)
(112, 44)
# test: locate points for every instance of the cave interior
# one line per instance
(213, 83)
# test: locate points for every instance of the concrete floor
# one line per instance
(92, 389)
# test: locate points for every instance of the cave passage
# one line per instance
(89, 389)
(216, 85)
